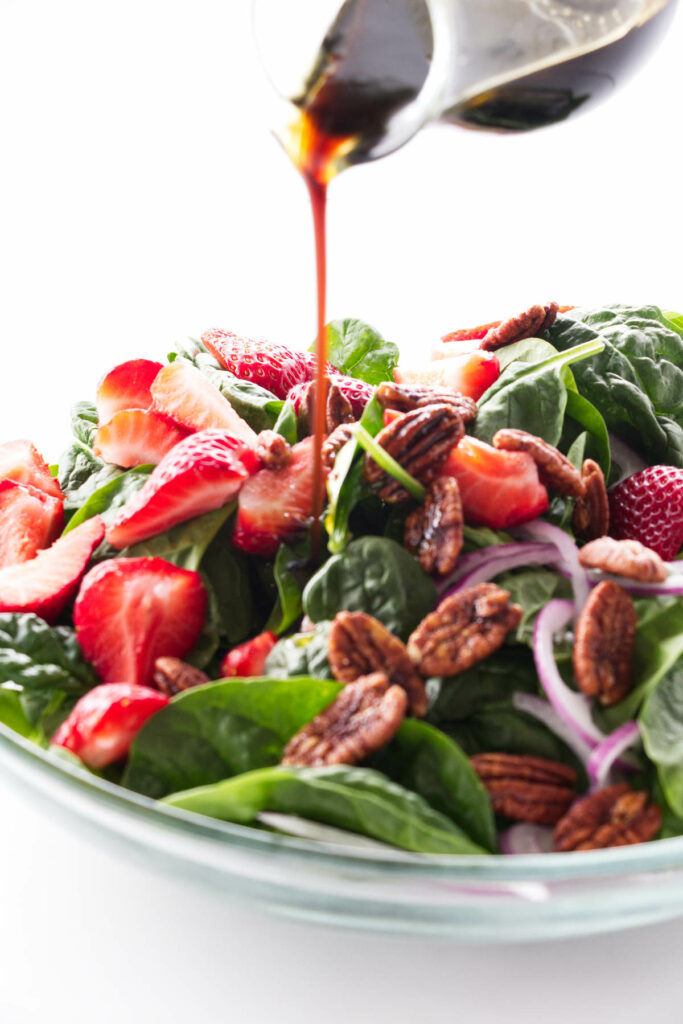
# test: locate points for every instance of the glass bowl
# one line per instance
(469, 899)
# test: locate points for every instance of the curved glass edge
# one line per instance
(662, 855)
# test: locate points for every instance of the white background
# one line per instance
(143, 200)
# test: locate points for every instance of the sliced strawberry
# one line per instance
(104, 722)
(131, 611)
(46, 583)
(126, 386)
(357, 392)
(275, 367)
(648, 507)
(498, 489)
(471, 374)
(470, 333)
(21, 461)
(275, 503)
(133, 437)
(183, 394)
(249, 659)
(202, 473)
(29, 521)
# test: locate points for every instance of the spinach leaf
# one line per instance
(45, 661)
(346, 486)
(222, 729)
(84, 422)
(81, 473)
(658, 646)
(492, 682)
(287, 424)
(13, 715)
(587, 416)
(661, 727)
(357, 799)
(529, 350)
(425, 760)
(636, 383)
(112, 496)
(374, 575)
(510, 731)
(478, 537)
(358, 350)
(530, 396)
(291, 572)
(304, 654)
(258, 406)
(532, 589)
(186, 543)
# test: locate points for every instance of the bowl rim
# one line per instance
(664, 854)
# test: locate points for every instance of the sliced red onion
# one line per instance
(607, 753)
(573, 708)
(482, 566)
(670, 587)
(539, 708)
(546, 533)
(526, 838)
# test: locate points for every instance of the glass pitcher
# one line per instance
(368, 74)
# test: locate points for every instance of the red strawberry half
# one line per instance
(21, 461)
(183, 394)
(275, 367)
(498, 489)
(275, 503)
(202, 473)
(471, 373)
(104, 722)
(357, 392)
(46, 583)
(249, 659)
(131, 611)
(133, 437)
(29, 521)
(126, 386)
(648, 507)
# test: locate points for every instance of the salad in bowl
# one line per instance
(480, 653)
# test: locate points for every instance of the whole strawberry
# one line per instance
(648, 507)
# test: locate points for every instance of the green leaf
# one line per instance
(587, 416)
(532, 588)
(112, 496)
(212, 732)
(529, 350)
(45, 661)
(184, 544)
(661, 728)
(530, 396)
(357, 799)
(358, 350)
(658, 646)
(377, 576)
(289, 568)
(425, 760)
(81, 473)
(637, 381)
(13, 715)
(286, 423)
(490, 683)
(84, 422)
(304, 654)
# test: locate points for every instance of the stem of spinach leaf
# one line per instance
(389, 465)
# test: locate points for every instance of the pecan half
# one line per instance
(464, 629)
(334, 442)
(528, 324)
(615, 816)
(554, 469)
(420, 441)
(434, 531)
(338, 409)
(591, 511)
(603, 644)
(272, 451)
(359, 644)
(624, 558)
(404, 397)
(363, 718)
(527, 788)
(171, 676)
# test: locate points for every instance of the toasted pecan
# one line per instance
(420, 441)
(338, 408)
(171, 676)
(529, 324)
(272, 450)
(359, 645)
(465, 628)
(615, 816)
(624, 558)
(363, 718)
(603, 644)
(404, 397)
(526, 788)
(554, 469)
(590, 519)
(334, 442)
(434, 530)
